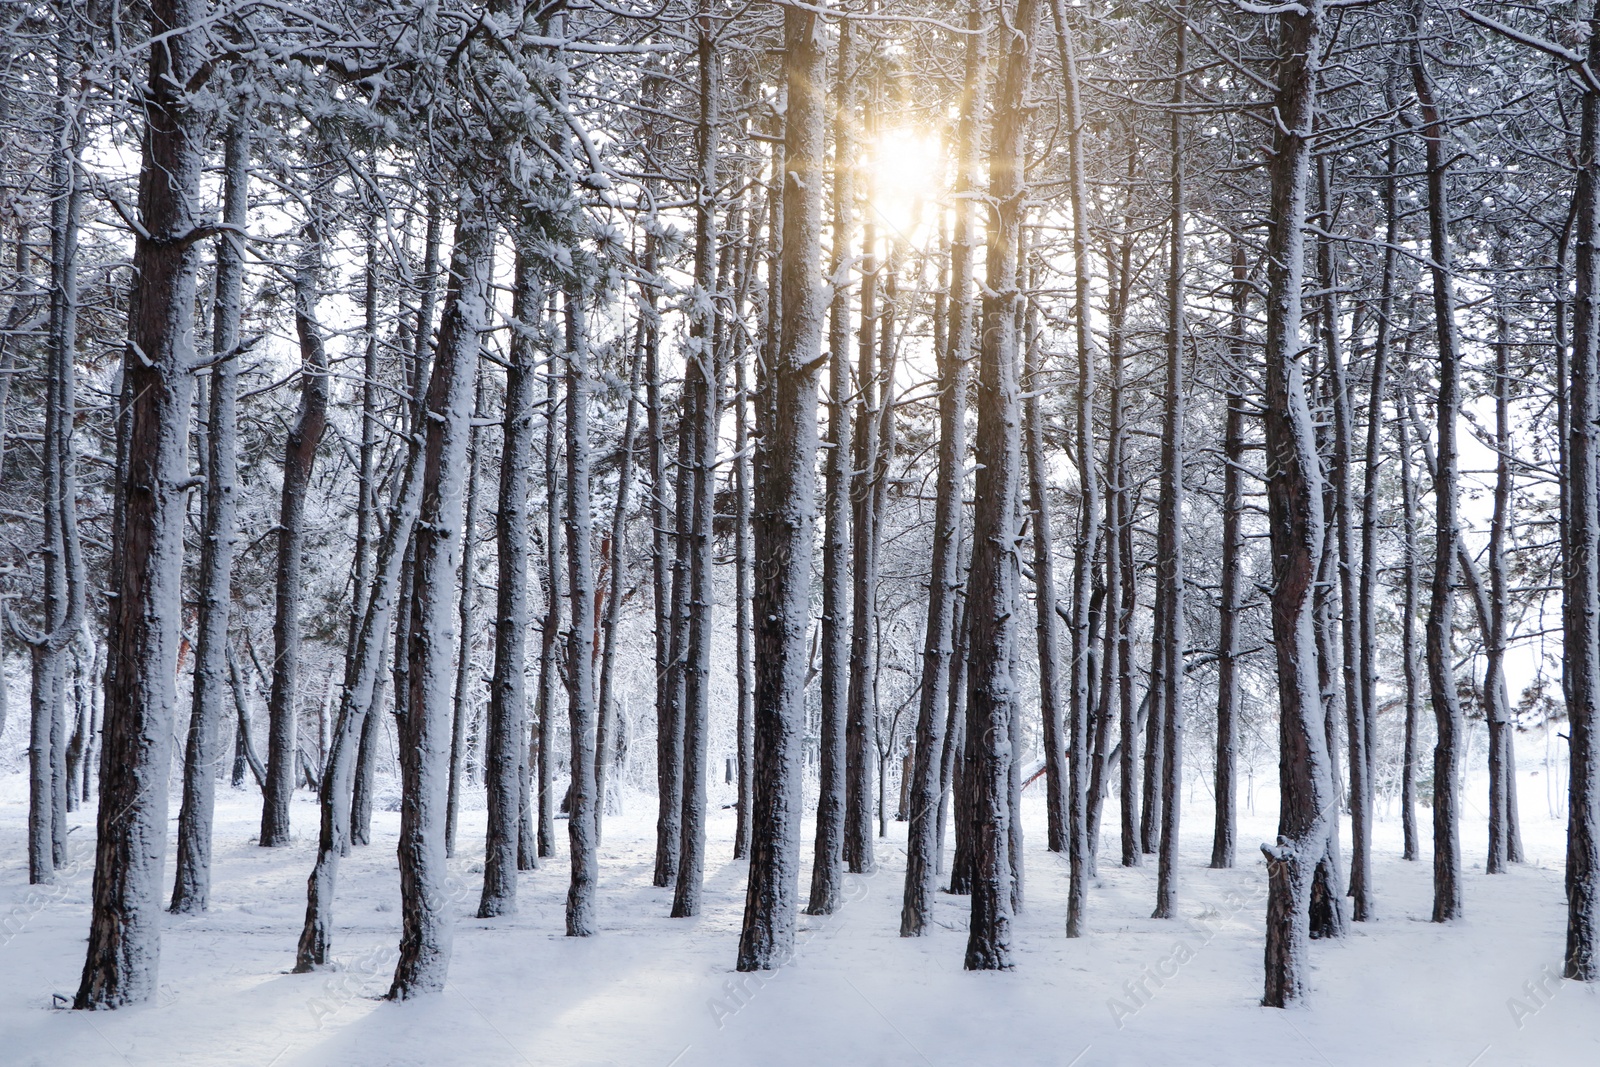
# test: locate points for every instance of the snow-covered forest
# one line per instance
(799, 531)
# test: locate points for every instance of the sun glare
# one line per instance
(908, 170)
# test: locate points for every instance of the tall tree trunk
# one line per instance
(1447, 903)
(608, 740)
(744, 666)
(992, 702)
(467, 611)
(1121, 586)
(1294, 498)
(1411, 668)
(1169, 535)
(1377, 386)
(146, 569)
(366, 522)
(581, 710)
(506, 749)
(1231, 597)
(861, 715)
(426, 935)
(191, 891)
(550, 633)
(1076, 836)
(786, 510)
(1582, 569)
(1345, 562)
(933, 751)
(300, 456)
(704, 382)
(1497, 706)
(827, 866)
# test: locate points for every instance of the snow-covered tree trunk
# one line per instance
(992, 595)
(703, 384)
(1173, 636)
(1411, 596)
(426, 935)
(357, 705)
(461, 705)
(550, 687)
(146, 570)
(582, 714)
(1438, 631)
(785, 511)
(1075, 837)
(1231, 596)
(1582, 565)
(931, 762)
(861, 710)
(1121, 586)
(827, 866)
(1377, 387)
(191, 890)
(300, 456)
(506, 751)
(1294, 500)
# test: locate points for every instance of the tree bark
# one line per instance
(191, 891)
(992, 702)
(147, 553)
(300, 456)
(785, 512)
(506, 749)
(1447, 902)
(426, 936)
(1294, 496)
(933, 753)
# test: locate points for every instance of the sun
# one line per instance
(908, 174)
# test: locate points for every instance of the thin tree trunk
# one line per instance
(363, 676)
(1169, 536)
(934, 751)
(462, 703)
(861, 713)
(1410, 666)
(300, 456)
(1367, 641)
(1231, 596)
(191, 890)
(550, 634)
(827, 867)
(1447, 902)
(704, 382)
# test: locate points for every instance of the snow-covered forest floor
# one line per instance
(652, 991)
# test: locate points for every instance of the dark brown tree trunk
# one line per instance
(300, 457)
(1447, 902)
(146, 570)
(1294, 497)
(506, 749)
(992, 702)
(785, 512)
(191, 891)
(931, 765)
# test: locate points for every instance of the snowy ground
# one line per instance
(650, 991)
